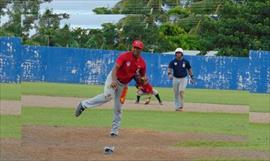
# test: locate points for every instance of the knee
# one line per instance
(108, 97)
(117, 111)
(182, 93)
(139, 93)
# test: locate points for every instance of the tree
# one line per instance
(49, 24)
(110, 36)
(241, 27)
(13, 26)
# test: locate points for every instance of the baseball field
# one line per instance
(214, 126)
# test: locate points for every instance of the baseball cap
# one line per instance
(138, 44)
(179, 50)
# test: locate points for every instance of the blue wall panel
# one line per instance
(33, 63)
(10, 60)
(220, 72)
(73, 65)
(259, 66)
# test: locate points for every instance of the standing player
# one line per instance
(177, 71)
(126, 66)
(145, 88)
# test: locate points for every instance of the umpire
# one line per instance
(178, 70)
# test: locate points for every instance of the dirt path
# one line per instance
(71, 102)
(81, 144)
(10, 107)
(56, 143)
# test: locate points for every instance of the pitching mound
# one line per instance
(74, 144)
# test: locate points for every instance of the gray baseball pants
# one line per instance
(179, 84)
(108, 95)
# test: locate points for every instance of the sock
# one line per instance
(157, 96)
(138, 98)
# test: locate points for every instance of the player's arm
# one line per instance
(190, 72)
(170, 73)
(189, 69)
(170, 70)
(114, 77)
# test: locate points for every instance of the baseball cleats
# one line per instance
(113, 134)
(180, 109)
(160, 103)
(79, 110)
(108, 150)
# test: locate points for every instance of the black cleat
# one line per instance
(113, 134)
(79, 110)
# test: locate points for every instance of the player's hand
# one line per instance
(170, 76)
(114, 84)
(191, 79)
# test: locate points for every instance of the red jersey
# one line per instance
(129, 66)
(147, 88)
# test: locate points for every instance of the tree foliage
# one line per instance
(232, 27)
(240, 28)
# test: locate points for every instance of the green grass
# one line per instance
(259, 102)
(10, 91)
(60, 89)
(192, 95)
(259, 136)
(10, 126)
(162, 121)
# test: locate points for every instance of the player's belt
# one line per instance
(180, 77)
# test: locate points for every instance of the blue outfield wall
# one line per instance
(88, 66)
(10, 59)
(259, 67)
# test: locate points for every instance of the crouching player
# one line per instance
(145, 88)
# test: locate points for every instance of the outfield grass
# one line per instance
(258, 102)
(192, 95)
(213, 123)
(10, 91)
(10, 126)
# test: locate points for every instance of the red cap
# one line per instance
(138, 44)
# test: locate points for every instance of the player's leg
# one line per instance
(139, 93)
(117, 111)
(182, 87)
(98, 100)
(156, 94)
(102, 98)
(177, 103)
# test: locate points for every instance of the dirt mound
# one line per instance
(72, 143)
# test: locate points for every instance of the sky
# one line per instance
(80, 12)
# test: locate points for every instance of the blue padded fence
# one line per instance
(10, 59)
(72, 65)
(259, 67)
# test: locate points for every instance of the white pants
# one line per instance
(109, 94)
(179, 84)
(140, 92)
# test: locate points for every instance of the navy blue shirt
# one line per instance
(179, 67)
